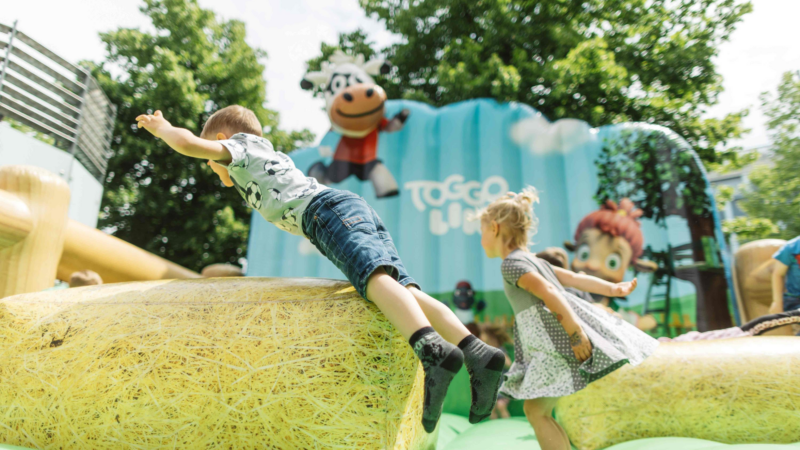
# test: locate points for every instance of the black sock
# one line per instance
(485, 366)
(441, 361)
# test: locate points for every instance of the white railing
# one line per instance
(53, 96)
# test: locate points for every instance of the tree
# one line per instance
(660, 172)
(774, 191)
(602, 61)
(190, 66)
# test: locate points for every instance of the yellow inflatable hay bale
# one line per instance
(220, 363)
(734, 391)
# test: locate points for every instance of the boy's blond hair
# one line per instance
(231, 120)
(514, 213)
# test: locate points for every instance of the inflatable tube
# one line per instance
(733, 391)
(215, 363)
(115, 260)
(38, 242)
(33, 212)
(517, 434)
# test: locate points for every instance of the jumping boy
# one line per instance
(351, 235)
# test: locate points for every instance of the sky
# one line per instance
(759, 51)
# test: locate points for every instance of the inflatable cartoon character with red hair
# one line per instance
(607, 242)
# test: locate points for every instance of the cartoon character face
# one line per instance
(602, 255)
(463, 296)
(344, 76)
(341, 71)
(358, 108)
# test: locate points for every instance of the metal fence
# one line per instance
(53, 96)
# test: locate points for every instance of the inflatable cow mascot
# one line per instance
(355, 106)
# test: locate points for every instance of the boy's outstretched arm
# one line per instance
(588, 283)
(182, 140)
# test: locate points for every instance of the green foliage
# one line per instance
(654, 169)
(749, 228)
(602, 61)
(774, 192)
(191, 65)
(724, 196)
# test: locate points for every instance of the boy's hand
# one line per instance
(221, 172)
(154, 123)
(623, 289)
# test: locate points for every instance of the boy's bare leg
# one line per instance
(395, 303)
(484, 362)
(440, 359)
(442, 318)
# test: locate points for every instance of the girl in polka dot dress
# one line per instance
(561, 343)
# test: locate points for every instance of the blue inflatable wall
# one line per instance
(450, 162)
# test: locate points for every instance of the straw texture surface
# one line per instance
(204, 364)
(733, 391)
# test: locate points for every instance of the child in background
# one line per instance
(561, 343)
(221, 270)
(344, 228)
(84, 278)
(556, 256)
(786, 278)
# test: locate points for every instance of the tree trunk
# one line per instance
(710, 285)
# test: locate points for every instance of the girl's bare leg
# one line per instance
(548, 432)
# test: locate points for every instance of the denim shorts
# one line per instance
(347, 231)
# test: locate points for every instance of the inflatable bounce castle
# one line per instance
(160, 358)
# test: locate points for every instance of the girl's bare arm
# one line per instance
(588, 283)
(552, 298)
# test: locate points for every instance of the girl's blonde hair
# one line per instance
(514, 212)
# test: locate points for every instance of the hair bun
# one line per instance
(529, 196)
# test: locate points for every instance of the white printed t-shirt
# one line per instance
(269, 181)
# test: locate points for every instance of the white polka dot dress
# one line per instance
(545, 365)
